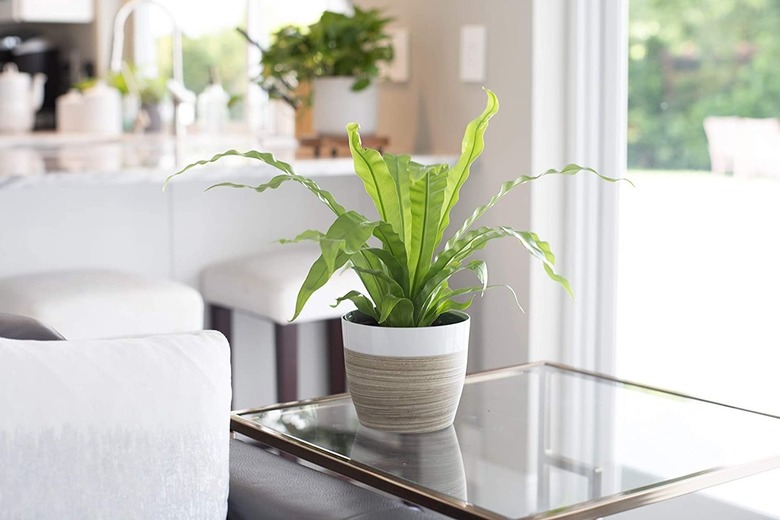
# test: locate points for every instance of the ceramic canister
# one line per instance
(102, 110)
(69, 112)
(21, 96)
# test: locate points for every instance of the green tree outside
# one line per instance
(689, 59)
(225, 50)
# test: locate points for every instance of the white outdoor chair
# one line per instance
(723, 142)
(758, 154)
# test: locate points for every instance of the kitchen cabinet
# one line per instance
(56, 11)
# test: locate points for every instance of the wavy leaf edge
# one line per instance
(401, 258)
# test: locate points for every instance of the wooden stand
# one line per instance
(338, 146)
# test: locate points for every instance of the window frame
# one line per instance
(580, 78)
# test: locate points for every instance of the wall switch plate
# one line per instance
(473, 53)
(398, 70)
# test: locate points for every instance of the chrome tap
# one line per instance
(179, 93)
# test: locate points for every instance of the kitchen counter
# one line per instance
(75, 201)
(45, 159)
(82, 202)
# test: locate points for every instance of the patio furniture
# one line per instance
(746, 147)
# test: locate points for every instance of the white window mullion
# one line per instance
(580, 212)
(582, 225)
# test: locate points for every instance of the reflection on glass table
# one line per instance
(534, 441)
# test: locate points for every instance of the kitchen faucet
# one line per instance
(176, 87)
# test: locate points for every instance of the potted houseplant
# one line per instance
(340, 55)
(406, 344)
(152, 93)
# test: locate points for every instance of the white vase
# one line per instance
(335, 105)
(406, 379)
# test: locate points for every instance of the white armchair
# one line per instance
(121, 428)
(139, 428)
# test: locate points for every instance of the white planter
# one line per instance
(406, 379)
(335, 105)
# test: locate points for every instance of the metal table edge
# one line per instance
(405, 490)
(652, 494)
(495, 373)
(466, 511)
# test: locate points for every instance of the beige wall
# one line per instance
(429, 114)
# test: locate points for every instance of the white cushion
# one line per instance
(103, 304)
(268, 285)
(121, 428)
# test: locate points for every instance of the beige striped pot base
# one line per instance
(406, 394)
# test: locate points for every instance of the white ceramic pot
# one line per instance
(335, 105)
(406, 379)
(21, 95)
(97, 111)
(69, 112)
(102, 110)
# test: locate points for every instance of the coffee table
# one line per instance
(539, 440)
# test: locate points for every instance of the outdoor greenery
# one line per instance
(690, 59)
(225, 50)
(402, 257)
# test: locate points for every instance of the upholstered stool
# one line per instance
(266, 285)
(92, 304)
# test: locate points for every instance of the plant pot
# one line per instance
(335, 105)
(155, 124)
(406, 379)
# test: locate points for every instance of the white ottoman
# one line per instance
(266, 285)
(91, 304)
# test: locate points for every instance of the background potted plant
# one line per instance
(406, 345)
(340, 55)
(152, 93)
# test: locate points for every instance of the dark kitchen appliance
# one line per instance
(33, 54)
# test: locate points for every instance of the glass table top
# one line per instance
(534, 441)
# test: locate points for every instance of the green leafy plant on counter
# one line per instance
(150, 90)
(336, 45)
(402, 258)
(114, 79)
